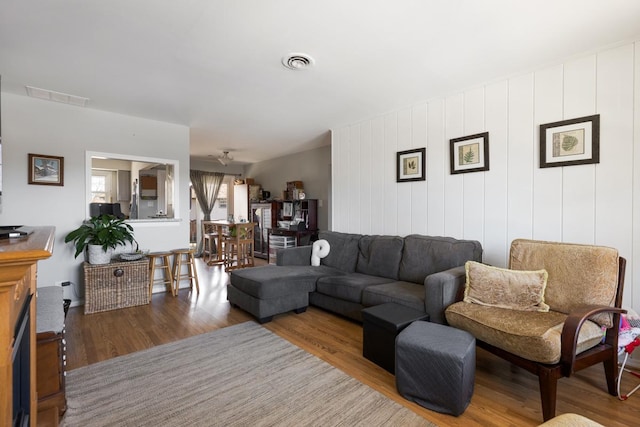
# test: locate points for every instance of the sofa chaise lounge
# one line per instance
(422, 272)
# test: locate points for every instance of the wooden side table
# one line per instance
(116, 285)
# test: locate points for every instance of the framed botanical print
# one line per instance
(570, 142)
(469, 153)
(410, 165)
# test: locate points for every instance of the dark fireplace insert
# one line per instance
(21, 370)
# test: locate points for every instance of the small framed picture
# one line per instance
(410, 166)
(570, 142)
(469, 153)
(46, 170)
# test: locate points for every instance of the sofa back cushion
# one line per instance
(380, 256)
(343, 253)
(425, 255)
(578, 274)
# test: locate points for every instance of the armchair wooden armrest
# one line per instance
(571, 329)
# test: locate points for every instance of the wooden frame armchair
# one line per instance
(584, 295)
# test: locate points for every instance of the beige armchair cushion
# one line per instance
(499, 287)
(529, 334)
(578, 274)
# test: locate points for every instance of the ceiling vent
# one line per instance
(51, 95)
(297, 61)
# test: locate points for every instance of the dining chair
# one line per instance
(239, 246)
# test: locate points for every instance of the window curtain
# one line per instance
(206, 185)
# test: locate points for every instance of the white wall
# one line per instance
(312, 167)
(42, 127)
(592, 204)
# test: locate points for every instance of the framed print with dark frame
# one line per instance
(46, 170)
(469, 153)
(570, 142)
(410, 165)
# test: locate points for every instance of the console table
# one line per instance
(116, 285)
(18, 267)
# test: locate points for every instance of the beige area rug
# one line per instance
(242, 375)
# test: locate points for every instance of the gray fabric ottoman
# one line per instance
(435, 366)
(269, 290)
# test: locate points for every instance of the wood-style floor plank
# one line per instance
(504, 394)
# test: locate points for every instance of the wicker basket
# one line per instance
(116, 285)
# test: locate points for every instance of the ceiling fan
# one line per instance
(225, 158)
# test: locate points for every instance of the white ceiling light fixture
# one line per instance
(225, 158)
(51, 95)
(298, 61)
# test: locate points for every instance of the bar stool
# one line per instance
(183, 257)
(167, 277)
(209, 241)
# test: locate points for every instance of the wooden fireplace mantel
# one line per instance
(18, 266)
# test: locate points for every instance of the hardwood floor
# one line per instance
(504, 395)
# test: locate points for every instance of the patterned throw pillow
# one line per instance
(500, 287)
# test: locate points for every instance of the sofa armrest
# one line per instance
(441, 290)
(300, 255)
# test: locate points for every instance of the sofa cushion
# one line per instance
(272, 281)
(425, 255)
(380, 256)
(404, 293)
(344, 250)
(532, 335)
(348, 287)
(578, 274)
(500, 287)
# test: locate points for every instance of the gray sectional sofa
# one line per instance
(422, 272)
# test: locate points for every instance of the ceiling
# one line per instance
(215, 65)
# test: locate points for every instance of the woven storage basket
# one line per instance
(116, 285)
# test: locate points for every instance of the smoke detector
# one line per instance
(225, 159)
(297, 61)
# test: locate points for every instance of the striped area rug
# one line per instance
(242, 375)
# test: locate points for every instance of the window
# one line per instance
(221, 201)
(101, 186)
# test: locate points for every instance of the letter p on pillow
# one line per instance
(319, 250)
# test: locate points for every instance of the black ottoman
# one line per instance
(435, 366)
(381, 325)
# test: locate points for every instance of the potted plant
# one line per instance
(99, 236)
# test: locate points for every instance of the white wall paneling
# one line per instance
(614, 174)
(453, 184)
(547, 204)
(515, 199)
(578, 183)
(364, 202)
(495, 243)
(473, 182)
(354, 157)
(419, 188)
(378, 177)
(405, 201)
(390, 202)
(437, 166)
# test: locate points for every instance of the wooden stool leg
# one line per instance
(176, 273)
(169, 275)
(152, 272)
(192, 271)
